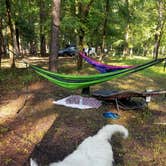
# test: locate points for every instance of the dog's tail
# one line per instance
(107, 131)
(33, 162)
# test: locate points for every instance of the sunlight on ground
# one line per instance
(23, 131)
(139, 57)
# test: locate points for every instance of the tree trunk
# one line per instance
(54, 45)
(2, 45)
(17, 38)
(42, 28)
(33, 48)
(81, 40)
(104, 30)
(12, 33)
(126, 47)
(105, 24)
(159, 29)
(82, 12)
(145, 49)
(156, 46)
(127, 30)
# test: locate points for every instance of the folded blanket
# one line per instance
(76, 101)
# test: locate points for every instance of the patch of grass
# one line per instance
(155, 73)
(146, 114)
(146, 141)
(13, 79)
(8, 161)
(3, 129)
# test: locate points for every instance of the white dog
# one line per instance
(93, 151)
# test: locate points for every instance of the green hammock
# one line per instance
(76, 82)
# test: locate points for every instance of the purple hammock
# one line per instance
(102, 68)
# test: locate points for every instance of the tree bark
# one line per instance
(126, 44)
(54, 45)
(17, 38)
(156, 46)
(159, 29)
(12, 33)
(2, 45)
(105, 24)
(127, 30)
(82, 12)
(81, 38)
(42, 28)
(104, 30)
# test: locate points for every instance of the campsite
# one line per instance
(51, 100)
(44, 126)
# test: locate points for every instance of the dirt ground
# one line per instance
(31, 126)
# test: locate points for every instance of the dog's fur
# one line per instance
(93, 151)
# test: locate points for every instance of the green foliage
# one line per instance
(2, 9)
(118, 43)
(140, 17)
(26, 30)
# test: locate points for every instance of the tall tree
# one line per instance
(105, 23)
(2, 28)
(12, 34)
(2, 43)
(83, 11)
(1, 51)
(127, 28)
(159, 27)
(54, 45)
(42, 28)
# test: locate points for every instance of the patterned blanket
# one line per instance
(76, 101)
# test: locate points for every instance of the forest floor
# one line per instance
(31, 126)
